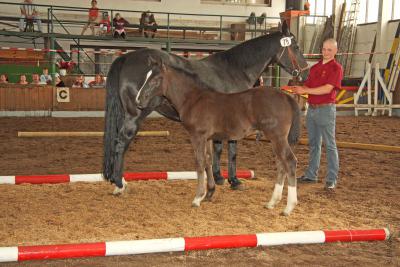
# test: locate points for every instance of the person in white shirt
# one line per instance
(45, 78)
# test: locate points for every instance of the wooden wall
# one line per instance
(33, 98)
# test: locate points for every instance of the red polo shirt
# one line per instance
(321, 74)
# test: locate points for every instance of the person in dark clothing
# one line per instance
(119, 24)
(148, 24)
(59, 82)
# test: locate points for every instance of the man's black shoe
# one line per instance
(330, 186)
(236, 184)
(305, 179)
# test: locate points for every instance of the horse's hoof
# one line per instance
(210, 193)
(219, 180)
(118, 191)
(196, 202)
(287, 211)
(269, 206)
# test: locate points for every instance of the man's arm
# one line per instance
(321, 90)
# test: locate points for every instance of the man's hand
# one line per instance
(300, 90)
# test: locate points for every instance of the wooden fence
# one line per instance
(44, 98)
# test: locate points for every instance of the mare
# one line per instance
(205, 114)
(230, 71)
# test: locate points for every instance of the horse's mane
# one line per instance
(238, 56)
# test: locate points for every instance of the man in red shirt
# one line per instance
(321, 85)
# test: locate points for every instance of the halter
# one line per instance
(296, 66)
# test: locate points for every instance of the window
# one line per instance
(319, 8)
(396, 7)
(367, 12)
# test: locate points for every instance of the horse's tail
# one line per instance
(114, 116)
(295, 128)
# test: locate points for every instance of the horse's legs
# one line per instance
(232, 179)
(288, 160)
(278, 189)
(210, 178)
(126, 134)
(219, 180)
(199, 145)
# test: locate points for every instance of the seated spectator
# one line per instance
(259, 82)
(80, 82)
(3, 78)
(29, 12)
(45, 78)
(59, 82)
(119, 24)
(22, 80)
(93, 16)
(36, 79)
(98, 82)
(105, 24)
(148, 24)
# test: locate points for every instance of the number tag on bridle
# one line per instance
(286, 41)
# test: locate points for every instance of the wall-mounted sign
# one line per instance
(63, 94)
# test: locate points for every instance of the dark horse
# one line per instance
(206, 115)
(229, 71)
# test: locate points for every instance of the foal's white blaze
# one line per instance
(276, 196)
(292, 200)
(119, 191)
(145, 81)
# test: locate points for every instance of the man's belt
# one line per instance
(314, 106)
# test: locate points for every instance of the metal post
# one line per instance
(220, 27)
(168, 27)
(48, 19)
(52, 60)
(276, 76)
(168, 46)
(97, 61)
(51, 20)
(79, 53)
(112, 22)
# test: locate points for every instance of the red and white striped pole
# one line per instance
(23, 253)
(98, 177)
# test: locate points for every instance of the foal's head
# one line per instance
(290, 57)
(154, 84)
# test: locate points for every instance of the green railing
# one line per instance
(168, 21)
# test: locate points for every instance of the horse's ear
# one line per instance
(285, 28)
(152, 61)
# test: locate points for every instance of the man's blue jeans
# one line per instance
(320, 124)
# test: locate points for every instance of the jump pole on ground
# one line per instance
(98, 177)
(134, 247)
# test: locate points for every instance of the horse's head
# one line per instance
(289, 56)
(152, 88)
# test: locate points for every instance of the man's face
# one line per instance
(329, 50)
